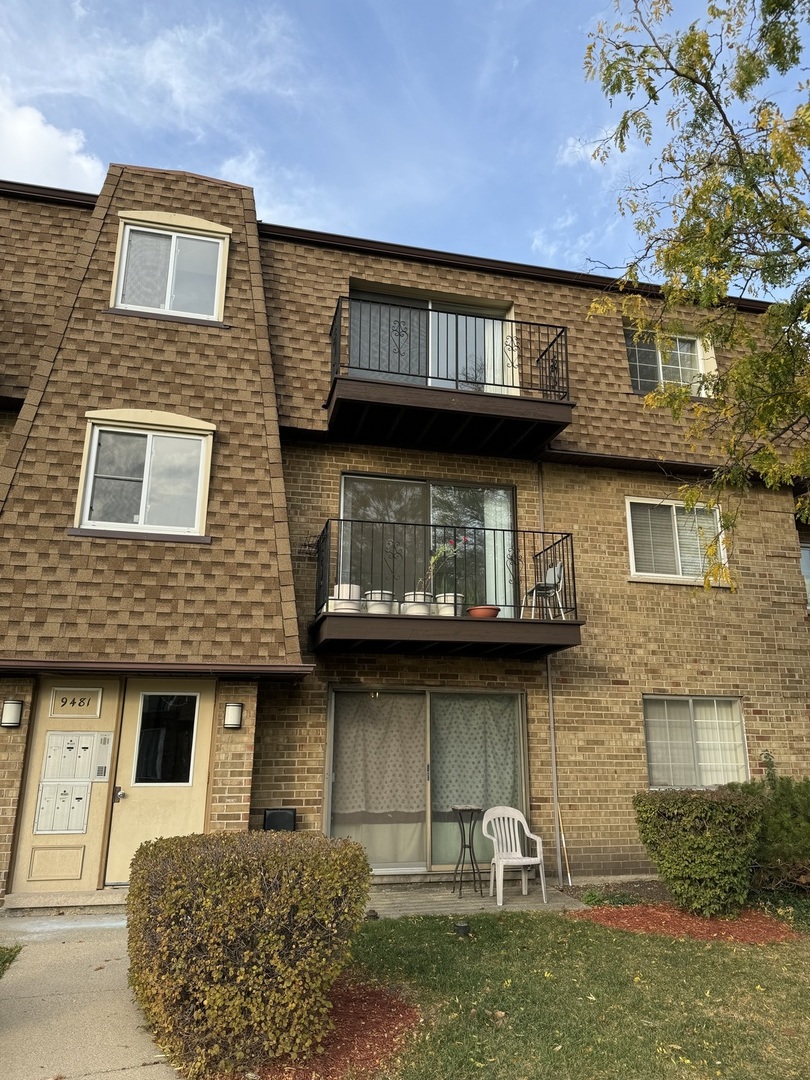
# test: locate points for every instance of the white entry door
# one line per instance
(161, 780)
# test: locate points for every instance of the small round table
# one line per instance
(467, 817)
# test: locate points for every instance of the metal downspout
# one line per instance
(555, 797)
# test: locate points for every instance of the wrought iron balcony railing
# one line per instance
(448, 350)
(401, 568)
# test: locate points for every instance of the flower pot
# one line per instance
(380, 602)
(449, 603)
(416, 603)
(483, 611)
(345, 598)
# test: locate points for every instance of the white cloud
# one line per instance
(559, 244)
(283, 196)
(36, 152)
(182, 75)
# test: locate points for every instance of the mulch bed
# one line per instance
(371, 1024)
(750, 928)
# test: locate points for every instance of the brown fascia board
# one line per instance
(38, 193)
(291, 234)
(588, 460)
(29, 665)
(473, 262)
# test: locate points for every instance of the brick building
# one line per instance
(252, 478)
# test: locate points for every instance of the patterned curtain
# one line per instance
(379, 757)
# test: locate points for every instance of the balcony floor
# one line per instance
(382, 413)
(428, 635)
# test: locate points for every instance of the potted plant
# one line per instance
(416, 603)
(379, 602)
(345, 598)
(447, 603)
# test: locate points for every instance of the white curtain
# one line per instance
(500, 553)
(379, 771)
(475, 761)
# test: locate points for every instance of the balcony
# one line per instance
(424, 379)
(440, 590)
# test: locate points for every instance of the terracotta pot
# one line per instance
(483, 611)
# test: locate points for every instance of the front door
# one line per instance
(161, 779)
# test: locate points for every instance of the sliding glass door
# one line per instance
(433, 343)
(401, 761)
(444, 538)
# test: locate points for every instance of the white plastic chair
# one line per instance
(507, 829)
(541, 595)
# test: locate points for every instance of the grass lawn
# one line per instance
(531, 996)
(7, 954)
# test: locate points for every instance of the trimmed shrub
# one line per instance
(702, 844)
(235, 940)
(782, 856)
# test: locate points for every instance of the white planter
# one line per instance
(450, 603)
(345, 598)
(380, 602)
(416, 603)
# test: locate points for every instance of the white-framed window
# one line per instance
(686, 359)
(172, 264)
(669, 542)
(145, 471)
(694, 741)
(806, 569)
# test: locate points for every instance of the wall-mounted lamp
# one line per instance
(233, 715)
(12, 714)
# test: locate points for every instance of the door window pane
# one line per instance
(441, 538)
(166, 739)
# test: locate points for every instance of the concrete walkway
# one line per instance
(66, 1010)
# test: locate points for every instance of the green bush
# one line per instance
(235, 940)
(782, 856)
(702, 844)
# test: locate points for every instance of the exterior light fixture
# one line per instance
(12, 714)
(233, 715)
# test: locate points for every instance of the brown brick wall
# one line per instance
(249, 595)
(12, 757)
(232, 759)
(638, 638)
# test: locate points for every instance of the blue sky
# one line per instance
(460, 125)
